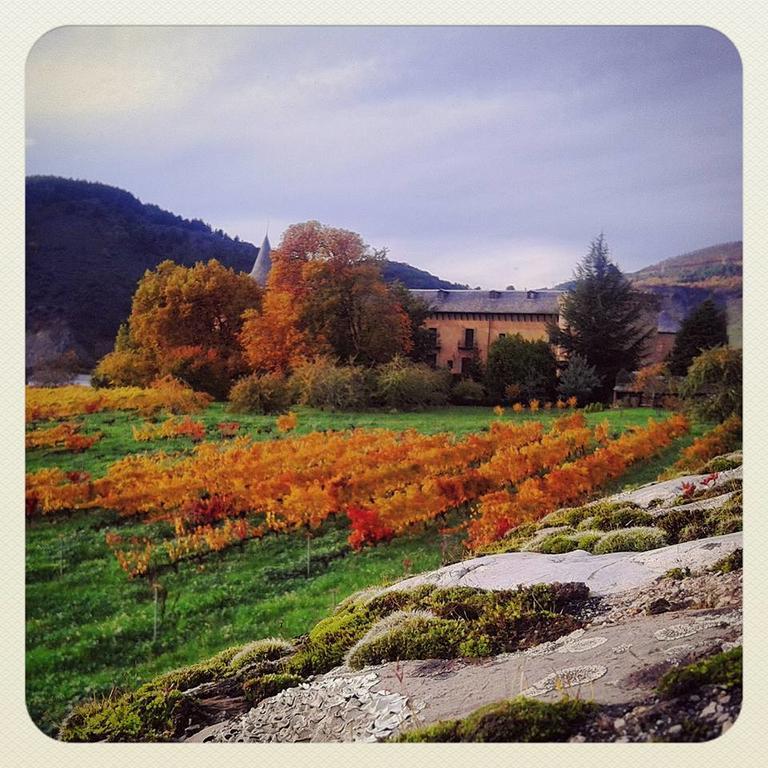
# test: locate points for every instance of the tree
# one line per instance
(603, 318)
(578, 379)
(418, 311)
(528, 366)
(713, 386)
(704, 328)
(184, 321)
(325, 295)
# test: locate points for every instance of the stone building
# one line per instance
(465, 323)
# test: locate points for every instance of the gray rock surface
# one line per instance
(669, 490)
(603, 574)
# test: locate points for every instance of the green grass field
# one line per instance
(90, 629)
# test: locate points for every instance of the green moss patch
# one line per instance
(264, 686)
(731, 562)
(724, 669)
(518, 720)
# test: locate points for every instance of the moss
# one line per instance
(268, 649)
(414, 638)
(638, 539)
(149, 714)
(692, 523)
(328, 641)
(724, 669)
(518, 720)
(586, 540)
(471, 622)
(264, 686)
(721, 464)
(729, 563)
(572, 516)
(624, 517)
(557, 544)
(676, 574)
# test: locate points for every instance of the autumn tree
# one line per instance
(184, 321)
(603, 318)
(325, 295)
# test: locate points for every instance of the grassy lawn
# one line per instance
(90, 629)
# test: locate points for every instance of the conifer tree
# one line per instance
(603, 318)
(704, 328)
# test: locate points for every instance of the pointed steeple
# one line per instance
(263, 263)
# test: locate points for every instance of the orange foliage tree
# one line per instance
(325, 295)
(185, 321)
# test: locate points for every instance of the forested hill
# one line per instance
(415, 278)
(88, 244)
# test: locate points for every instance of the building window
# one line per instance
(502, 335)
(469, 339)
(466, 362)
(450, 365)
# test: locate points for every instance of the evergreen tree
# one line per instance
(603, 318)
(578, 379)
(704, 328)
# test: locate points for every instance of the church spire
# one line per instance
(263, 263)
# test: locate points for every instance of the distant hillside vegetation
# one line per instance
(87, 246)
(718, 266)
(415, 278)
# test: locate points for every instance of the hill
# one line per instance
(413, 277)
(717, 266)
(87, 246)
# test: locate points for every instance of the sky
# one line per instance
(487, 155)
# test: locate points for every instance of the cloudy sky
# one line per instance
(487, 155)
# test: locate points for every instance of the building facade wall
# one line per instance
(450, 331)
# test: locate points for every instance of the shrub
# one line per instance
(518, 720)
(724, 669)
(468, 392)
(637, 539)
(405, 385)
(260, 393)
(528, 366)
(712, 389)
(323, 384)
(578, 379)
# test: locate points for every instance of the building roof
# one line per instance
(514, 302)
(263, 262)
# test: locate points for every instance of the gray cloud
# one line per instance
(488, 155)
